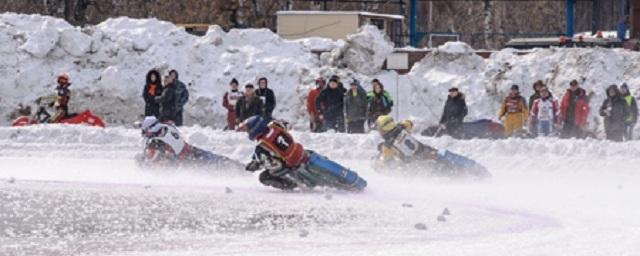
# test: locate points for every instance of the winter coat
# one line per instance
(182, 94)
(268, 100)
(455, 109)
(311, 103)
(355, 104)
(632, 118)
(168, 102)
(574, 107)
(379, 104)
(615, 112)
(248, 107)
(330, 103)
(149, 92)
(545, 109)
(63, 95)
(230, 99)
(514, 109)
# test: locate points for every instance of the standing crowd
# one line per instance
(331, 106)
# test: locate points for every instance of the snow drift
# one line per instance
(108, 63)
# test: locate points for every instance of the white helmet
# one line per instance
(149, 126)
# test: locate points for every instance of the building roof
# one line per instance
(388, 16)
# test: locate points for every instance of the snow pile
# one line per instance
(108, 64)
(364, 51)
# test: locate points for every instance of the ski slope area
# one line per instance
(77, 191)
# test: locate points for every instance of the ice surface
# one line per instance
(76, 190)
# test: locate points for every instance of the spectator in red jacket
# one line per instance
(314, 114)
(574, 110)
(229, 102)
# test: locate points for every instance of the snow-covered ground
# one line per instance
(76, 191)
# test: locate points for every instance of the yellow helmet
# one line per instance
(385, 123)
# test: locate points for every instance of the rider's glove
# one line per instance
(252, 166)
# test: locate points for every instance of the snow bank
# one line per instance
(108, 63)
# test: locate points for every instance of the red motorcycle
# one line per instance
(42, 117)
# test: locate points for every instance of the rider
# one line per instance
(63, 95)
(279, 154)
(400, 145)
(165, 146)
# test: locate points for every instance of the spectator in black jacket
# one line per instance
(182, 95)
(152, 88)
(267, 96)
(330, 102)
(615, 112)
(248, 105)
(455, 109)
(168, 101)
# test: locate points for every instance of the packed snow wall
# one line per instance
(108, 63)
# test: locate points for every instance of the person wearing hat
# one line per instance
(151, 89)
(248, 105)
(355, 106)
(513, 112)
(315, 123)
(63, 95)
(455, 109)
(632, 118)
(615, 112)
(229, 101)
(574, 110)
(330, 103)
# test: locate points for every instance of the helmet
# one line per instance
(64, 77)
(385, 123)
(255, 126)
(149, 126)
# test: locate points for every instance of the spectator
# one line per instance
(379, 101)
(248, 105)
(330, 104)
(229, 101)
(152, 88)
(538, 86)
(455, 109)
(182, 95)
(267, 97)
(168, 100)
(314, 114)
(355, 102)
(544, 113)
(633, 112)
(574, 110)
(615, 112)
(514, 111)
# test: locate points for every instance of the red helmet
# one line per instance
(320, 81)
(64, 78)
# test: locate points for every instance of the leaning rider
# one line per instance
(164, 145)
(398, 143)
(279, 154)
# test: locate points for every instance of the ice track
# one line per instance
(76, 191)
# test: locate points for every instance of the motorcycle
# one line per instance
(318, 171)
